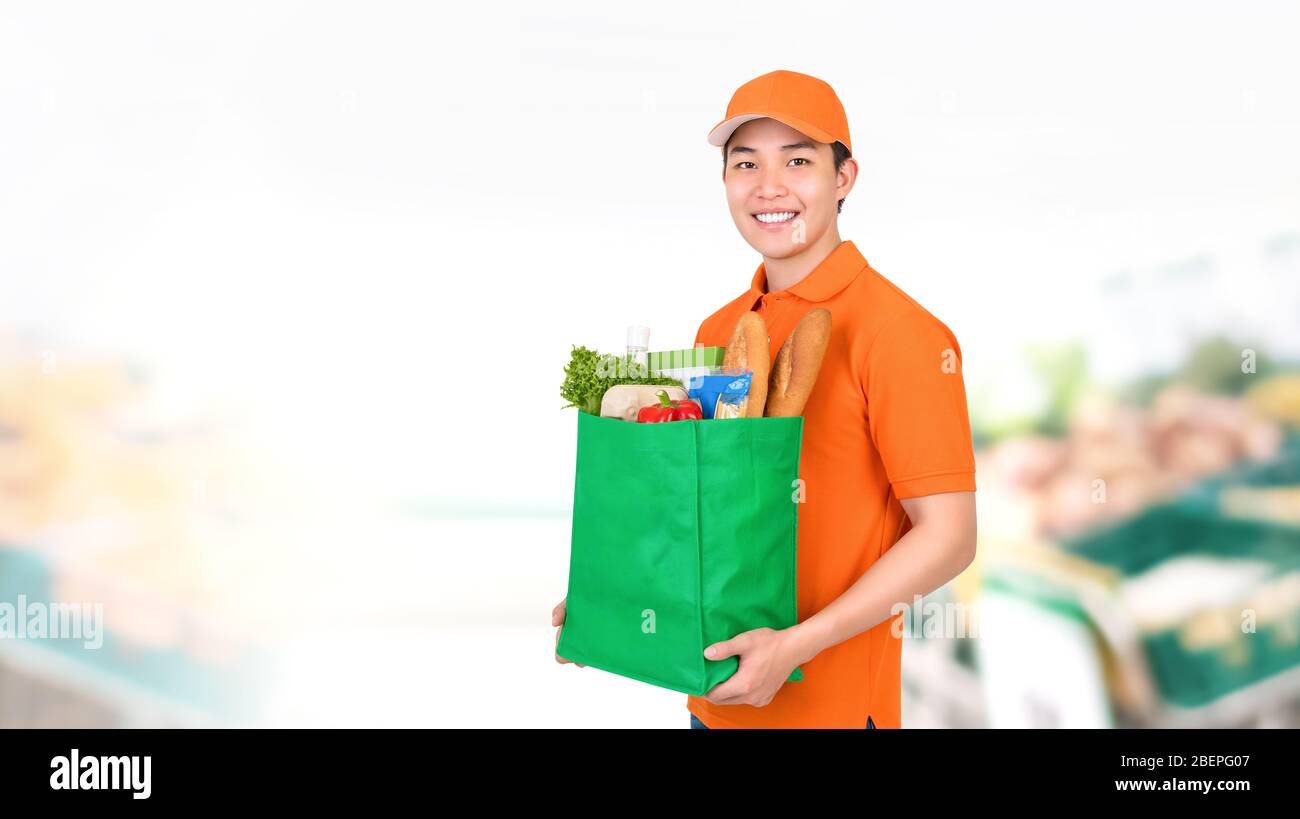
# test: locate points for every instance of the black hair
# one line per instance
(839, 151)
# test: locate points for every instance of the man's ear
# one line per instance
(845, 178)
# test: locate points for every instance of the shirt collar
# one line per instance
(834, 273)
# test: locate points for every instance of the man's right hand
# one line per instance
(557, 619)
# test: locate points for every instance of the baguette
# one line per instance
(800, 359)
(750, 349)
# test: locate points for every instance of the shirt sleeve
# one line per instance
(916, 406)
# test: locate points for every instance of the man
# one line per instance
(887, 460)
(888, 469)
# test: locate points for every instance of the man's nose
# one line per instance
(771, 184)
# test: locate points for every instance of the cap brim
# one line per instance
(723, 130)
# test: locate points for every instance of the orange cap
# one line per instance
(804, 103)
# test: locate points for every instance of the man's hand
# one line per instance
(767, 656)
(557, 619)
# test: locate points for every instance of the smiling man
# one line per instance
(887, 459)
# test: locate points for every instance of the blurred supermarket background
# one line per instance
(286, 290)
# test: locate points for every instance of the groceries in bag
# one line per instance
(749, 349)
(589, 374)
(669, 410)
(721, 394)
(747, 384)
(685, 364)
(626, 400)
(797, 364)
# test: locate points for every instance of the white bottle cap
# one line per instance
(638, 337)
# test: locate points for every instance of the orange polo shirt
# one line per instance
(886, 420)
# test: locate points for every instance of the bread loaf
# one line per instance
(797, 363)
(749, 349)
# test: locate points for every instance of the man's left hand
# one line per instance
(767, 656)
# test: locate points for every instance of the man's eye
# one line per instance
(738, 164)
(799, 159)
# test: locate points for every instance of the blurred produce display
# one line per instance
(1164, 516)
(1116, 459)
(108, 495)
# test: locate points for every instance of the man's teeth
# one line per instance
(769, 218)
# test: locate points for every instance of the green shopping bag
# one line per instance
(684, 535)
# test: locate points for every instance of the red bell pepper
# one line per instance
(667, 410)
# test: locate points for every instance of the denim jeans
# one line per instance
(695, 722)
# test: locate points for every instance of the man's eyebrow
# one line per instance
(745, 149)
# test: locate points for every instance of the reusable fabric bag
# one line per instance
(684, 535)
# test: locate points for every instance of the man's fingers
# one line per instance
(557, 619)
(558, 658)
(723, 692)
(730, 692)
(728, 648)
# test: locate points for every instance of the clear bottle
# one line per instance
(638, 350)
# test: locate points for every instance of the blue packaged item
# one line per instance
(721, 395)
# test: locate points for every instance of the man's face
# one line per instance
(773, 169)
